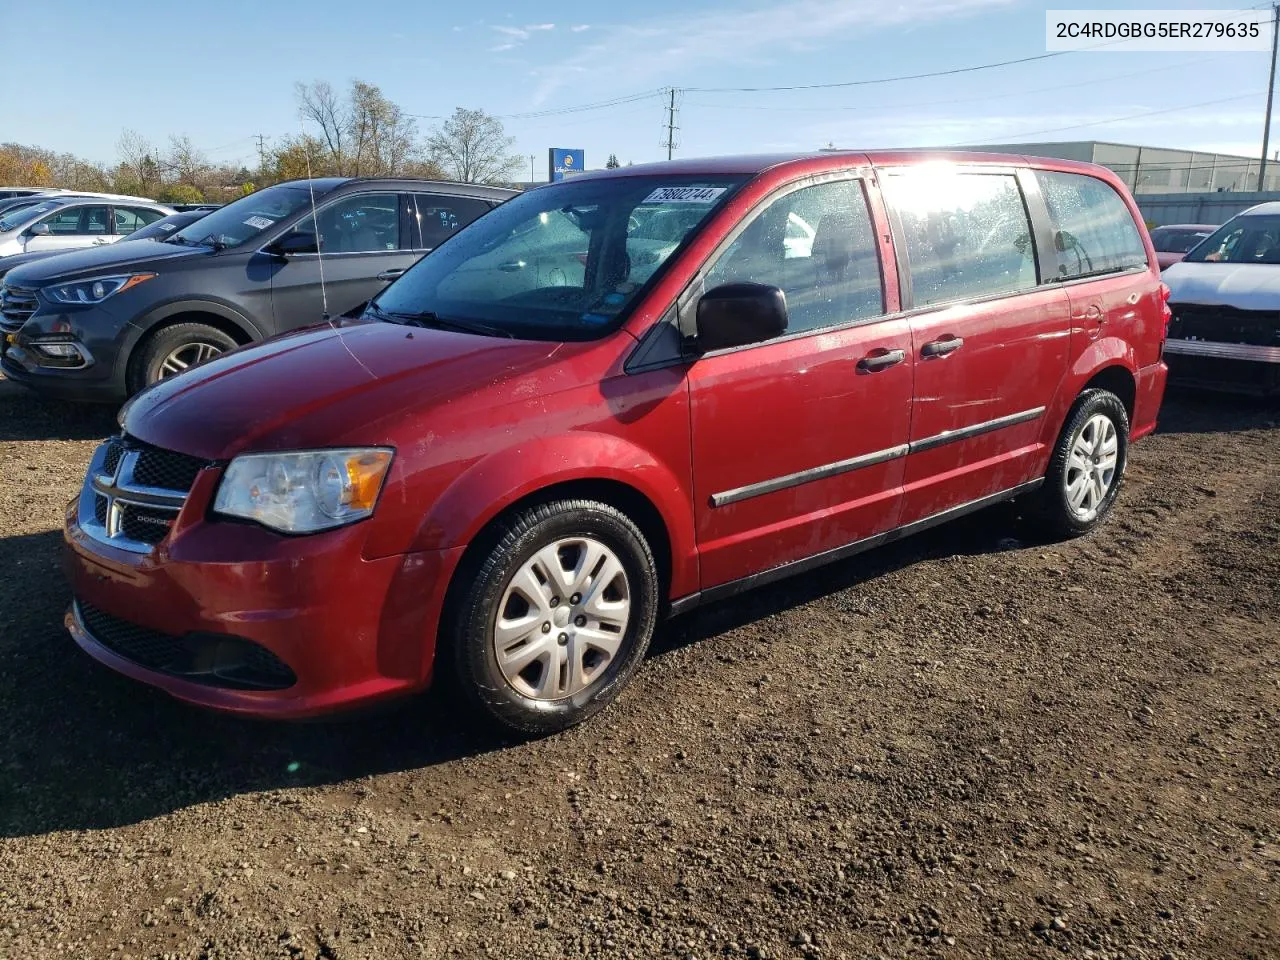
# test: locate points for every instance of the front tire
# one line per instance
(171, 350)
(553, 618)
(1087, 466)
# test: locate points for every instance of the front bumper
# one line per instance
(348, 629)
(1221, 348)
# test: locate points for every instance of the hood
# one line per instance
(87, 261)
(1245, 286)
(322, 386)
(18, 259)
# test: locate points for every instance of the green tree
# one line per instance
(612, 163)
(180, 193)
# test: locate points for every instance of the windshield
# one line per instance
(15, 218)
(1173, 240)
(161, 229)
(562, 262)
(1248, 239)
(246, 218)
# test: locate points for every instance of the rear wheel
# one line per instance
(554, 617)
(171, 350)
(1087, 466)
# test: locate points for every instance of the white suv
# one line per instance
(70, 222)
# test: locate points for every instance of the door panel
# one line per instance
(767, 415)
(73, 228)
(995, 385)
(799, 445)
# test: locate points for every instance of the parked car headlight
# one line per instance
(95, 290)
(304, 492)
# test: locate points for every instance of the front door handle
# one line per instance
(940, 348)
(881, 360)
(391, 274)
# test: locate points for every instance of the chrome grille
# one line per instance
(17, 304)
(134, 493)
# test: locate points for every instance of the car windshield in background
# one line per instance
(16, 218)
(1176, 241)
(562, 262)
(241, 221)
(1254, 239)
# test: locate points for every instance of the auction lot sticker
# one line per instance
(1130, 31)
(684, 195)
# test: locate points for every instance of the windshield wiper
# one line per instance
(214, 242)
(425, 318)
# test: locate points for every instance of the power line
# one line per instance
(1014, 138)
(939, 103)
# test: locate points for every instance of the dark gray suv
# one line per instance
(101, 324)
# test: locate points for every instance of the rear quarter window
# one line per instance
(1094, 233)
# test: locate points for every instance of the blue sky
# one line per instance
(227, 73)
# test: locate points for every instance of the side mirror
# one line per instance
(737, 314)
(295, 242)
(40, 230)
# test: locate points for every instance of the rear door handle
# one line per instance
(881, 360)
(940, 348)
(391, 274)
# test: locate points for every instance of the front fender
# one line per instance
(494, 483)
(216, 308)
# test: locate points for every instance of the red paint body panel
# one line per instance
(478, 424)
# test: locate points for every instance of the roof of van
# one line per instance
(752, 164)
(1270, 208)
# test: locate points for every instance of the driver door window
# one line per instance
(818, 245)
(367, 223)
(78, 221)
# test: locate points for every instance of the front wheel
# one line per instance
(1087, 466)
(553, 618)
(171, 350)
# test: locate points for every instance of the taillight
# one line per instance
(1165, 310)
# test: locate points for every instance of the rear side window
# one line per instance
(440, 217)
(1094, 231)
(817, 244)
(967, 234)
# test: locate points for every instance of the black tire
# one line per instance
(467, 654)
(149, 356)
(1051, 507)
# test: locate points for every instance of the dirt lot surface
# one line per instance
(972, 744)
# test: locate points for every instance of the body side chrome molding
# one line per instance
(807, 476)
(775, 484)
(721, 591)
(976, 430)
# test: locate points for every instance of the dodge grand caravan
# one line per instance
(564, 424)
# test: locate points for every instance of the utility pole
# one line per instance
(532, 159)
(1271, 87)
(670, 143)
(262, 151)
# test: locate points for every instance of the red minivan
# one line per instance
(609, 400)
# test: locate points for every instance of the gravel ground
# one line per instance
(970, 744)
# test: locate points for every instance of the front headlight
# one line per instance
(95, 290)
(304, 492)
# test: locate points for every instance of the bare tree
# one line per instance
(137, 160)
(185, 162)
(363, 134)
(318, 104)
(471, 146)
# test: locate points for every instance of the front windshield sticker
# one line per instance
(258, 223)
(684, 195)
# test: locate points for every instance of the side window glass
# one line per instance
(967, 234)
(440, 217)
(818, 245)
(129, 219)
(366, 223)
(1094, 231)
